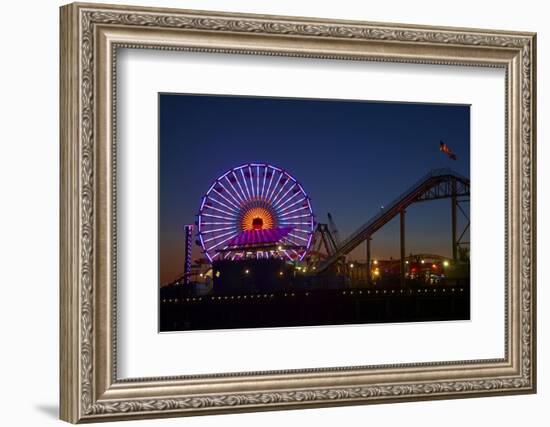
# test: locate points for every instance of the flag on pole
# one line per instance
(447, 150)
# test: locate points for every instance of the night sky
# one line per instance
(350, 156)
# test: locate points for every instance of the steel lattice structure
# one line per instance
(255, 197)
(437, 184)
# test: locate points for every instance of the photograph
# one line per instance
(285, 212)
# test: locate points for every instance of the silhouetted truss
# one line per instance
(437, 184)
(444, 189)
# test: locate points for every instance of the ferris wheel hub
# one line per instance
(257, 223)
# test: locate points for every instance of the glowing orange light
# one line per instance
(257, 223)
(257, 219)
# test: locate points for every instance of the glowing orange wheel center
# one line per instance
(257, 219)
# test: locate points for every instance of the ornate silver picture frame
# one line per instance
(91, 35)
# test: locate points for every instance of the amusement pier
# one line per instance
(267, 262)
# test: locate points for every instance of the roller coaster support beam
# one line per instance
(402, 238)
(368, 261)
(454, 204)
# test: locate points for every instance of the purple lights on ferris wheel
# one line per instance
(250, 198)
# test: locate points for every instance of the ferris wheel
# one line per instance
(255, 209)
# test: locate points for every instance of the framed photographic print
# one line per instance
(264, 212)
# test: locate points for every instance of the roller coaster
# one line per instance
(436, 184)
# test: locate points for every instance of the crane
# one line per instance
(333, 230)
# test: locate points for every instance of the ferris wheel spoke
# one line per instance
(293, 204)
(251, 181)
(245, 184)
(297, 237)
(230, 193)
(220, 236)
(287, 255)
(269, 185)
(284, 200)
(215, 230)
(251, 186)
(221, 211)
(286, 217)
(241, 195)
(294, 211)
(301, 230)
(284, 195)
(301, 208)
(292, 241)
(297, 216)
(224, 205)
(295, 207)
(263, 184)
(216, 216)
(283, 186)
(288, 200)
(222, 242)
(225, 198)
(274, 189)
(258, 182)
(292, 198)
(306, 233)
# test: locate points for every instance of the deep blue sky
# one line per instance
(350, 156)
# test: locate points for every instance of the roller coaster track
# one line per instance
(437, 184)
